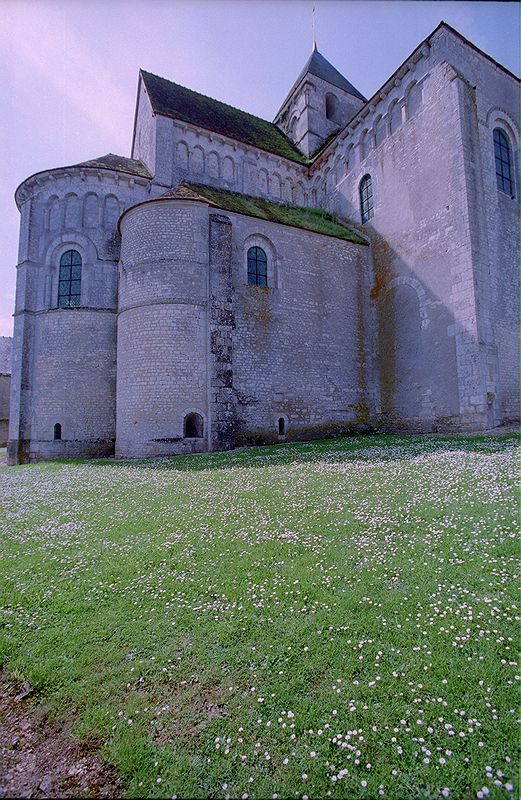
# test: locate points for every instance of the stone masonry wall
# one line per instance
(185, 153)
(73, 383)
(162, 328)
(427, 348)
(301, 348)
(64, 359)
(222, 327)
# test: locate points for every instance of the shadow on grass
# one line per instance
(369, 447)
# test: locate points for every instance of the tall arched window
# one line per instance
(503, 156)
(366, 198)
(69, 281)
(57, 431)
(257, 267)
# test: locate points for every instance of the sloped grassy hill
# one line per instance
(327, 619)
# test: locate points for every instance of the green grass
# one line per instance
(227, 624)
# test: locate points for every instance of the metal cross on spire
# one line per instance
(314, 32)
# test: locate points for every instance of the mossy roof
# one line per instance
(172, 100)
(315, 220)
(118, 164)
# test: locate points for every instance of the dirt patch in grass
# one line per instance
(190, 709)
(40, 758)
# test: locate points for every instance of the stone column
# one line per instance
(221, 324)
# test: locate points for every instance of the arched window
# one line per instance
(110, 212)
(414, 100)
(57, 431)
(282, 426)
(365, 145)
(193, 426)
(396, 117)
(182, 155)
(257, 267)
(331, 106)
(503, 156)
(380, 131)
(366, 198)
(69, 281)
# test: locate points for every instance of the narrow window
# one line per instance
(366, 198)
(257, 267)
(503, 156)
(193, 426)
(380, 132)
(414, 100)
(57, 431)
(396, 117)
(69, 285)
(282, 426)
(331, 106)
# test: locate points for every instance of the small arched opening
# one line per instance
(331, 107)
(57, 432)
(193, 426)
(282, 427)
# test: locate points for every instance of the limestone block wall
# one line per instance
(302, 346)
(440, 224)
(185, 153)
(73, 383)
(64, 359)
(427, 345)
(193, 336)
(162, 328)
(419, 233)
(144, 135)
(490, 99)
(315, 111)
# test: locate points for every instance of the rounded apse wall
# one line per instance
(162, 329)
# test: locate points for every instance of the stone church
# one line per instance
(351, 266)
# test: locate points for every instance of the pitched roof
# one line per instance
(182, 192)
(118, 164)
(311, 219)
(172, 100)
(320, 66)
(6, 348)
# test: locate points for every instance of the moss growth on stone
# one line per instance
(311, 219)
(119, 164)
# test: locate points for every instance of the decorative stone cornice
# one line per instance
(35, 182)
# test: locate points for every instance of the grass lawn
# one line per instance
(327, 619)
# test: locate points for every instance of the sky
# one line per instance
(70, 68)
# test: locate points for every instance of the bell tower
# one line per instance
(320, 103)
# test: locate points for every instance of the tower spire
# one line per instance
(314, 31)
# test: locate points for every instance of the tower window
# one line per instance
(193, 426)
(69, 285)
(503, 157)
(282, 426)
(331, 106)
(366, 198)
(57, 431)
(257, 267)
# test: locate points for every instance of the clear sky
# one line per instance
(70, 68)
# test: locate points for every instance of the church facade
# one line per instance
(351, 266)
